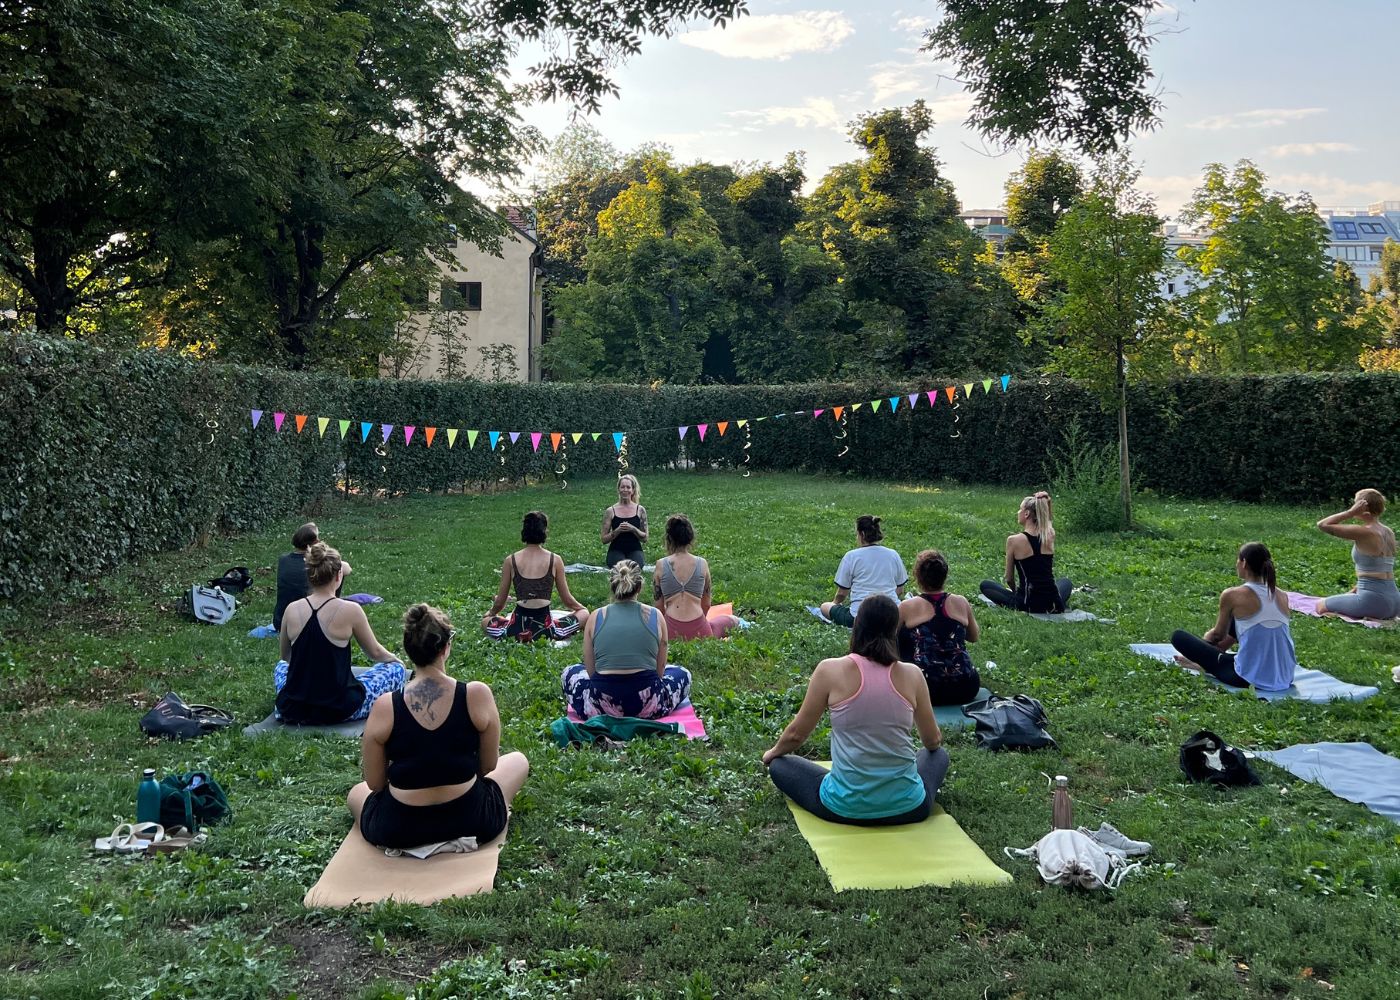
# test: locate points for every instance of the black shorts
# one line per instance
(480, 812)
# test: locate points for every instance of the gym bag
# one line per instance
(208, 604)
(190, 799)
(1207, 758)
(1010, 723)
(172, 718)
(234, 581)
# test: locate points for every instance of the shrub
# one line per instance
(1084, 483)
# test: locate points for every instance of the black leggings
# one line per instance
(1219, 665)
(1016, 599)
(801, 780)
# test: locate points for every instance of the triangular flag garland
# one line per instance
(557, 438)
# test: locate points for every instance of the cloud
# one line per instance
(914, 24)
(1257, 118)
(1328, 190)
(814, 112)
(1311, 148)
(889, 80)
(1170, 191)
(775, 36)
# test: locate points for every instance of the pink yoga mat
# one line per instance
(691, 724)
(1306, 605)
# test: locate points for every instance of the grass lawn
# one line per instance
(674, 869)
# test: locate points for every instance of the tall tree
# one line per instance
(1266, 296)
(1108, 321)
(1065, 71)
(1038, 194)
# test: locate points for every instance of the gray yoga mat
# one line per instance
(1357, 772)
(1072, 615)
(1308, 685)
(351, 730)
(951, 718)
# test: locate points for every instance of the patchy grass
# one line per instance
(672, 869)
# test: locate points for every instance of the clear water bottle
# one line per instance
(148, 798)
(1061, 810)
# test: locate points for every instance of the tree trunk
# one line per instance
(1125, 491)
(53, 254)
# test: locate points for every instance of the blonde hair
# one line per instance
(1038, 506)
(636, 486)
(1374, 501)
(625, 580)
(322, 564)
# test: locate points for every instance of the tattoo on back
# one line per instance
(423, 697)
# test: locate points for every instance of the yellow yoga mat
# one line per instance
(934, 852)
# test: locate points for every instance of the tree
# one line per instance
(1107, 322)
(578, 151)
(1060, 70)
(1040, 193)
(1266, 296)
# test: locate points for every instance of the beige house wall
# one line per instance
(454, 343)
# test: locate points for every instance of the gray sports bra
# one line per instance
(1372, 564)
(668, 583)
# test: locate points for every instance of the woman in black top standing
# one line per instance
(431, 753)
(1031, 554)
(625, 523)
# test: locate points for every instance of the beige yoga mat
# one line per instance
(361, 873)
(934, 852)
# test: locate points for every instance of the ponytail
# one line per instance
(1039, 508)
(1257, 558)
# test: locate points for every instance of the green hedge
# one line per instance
(114, 455)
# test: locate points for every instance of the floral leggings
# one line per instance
(378, 679)
(642, 695)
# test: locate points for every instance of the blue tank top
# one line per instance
(1266, 658)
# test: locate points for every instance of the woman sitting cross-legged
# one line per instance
(1031, 554)
(686, 605)
(1256, 616)
(876, 779)
(431, 753)
(1373, 554)
(870, 568)
(934, 630)
(535, 572)
(624, 671)
(314, 683)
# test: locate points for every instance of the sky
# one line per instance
(1294, 85)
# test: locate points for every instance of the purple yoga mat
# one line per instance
(365, 599)
(1307, 605)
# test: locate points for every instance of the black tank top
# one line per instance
(538, 588)
(1037, 575)
(428, 758)
(938, 646)
(626, 545)
(321, 688)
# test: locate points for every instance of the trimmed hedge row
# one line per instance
(114, 455)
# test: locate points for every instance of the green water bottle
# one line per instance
(148, 798)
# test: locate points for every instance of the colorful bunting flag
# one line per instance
(986, 386)
(875, 405)
(894, 403)
(408, 430)
(723, 426)
(683, 430)
(817, 413)
(323, 423)
(554, 438)
(301, 421)
(837, 410)
(344, 429)
(617, 440)
(577, 436)
(535, 439)
(913, 398)
(514, 436)
(951, 391)
(257, 415)
(364, 430)
(387, 429)
(471, 438)
(932, 395)
(967, 389)
(1005, 381)
(701, 429)
(428, 433)
(277, 419)
(493, 437)
(856, 406)
(597, 435)
(741, 423)
(759, 420)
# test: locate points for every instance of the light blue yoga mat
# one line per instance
(1357, 772)
(1308, 685)
(951, 718)
(816, 613)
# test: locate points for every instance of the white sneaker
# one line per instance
(1110, 838)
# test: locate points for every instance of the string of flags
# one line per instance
(367, 428)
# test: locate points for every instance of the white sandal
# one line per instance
(129, 839)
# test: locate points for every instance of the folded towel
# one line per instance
(460, 845)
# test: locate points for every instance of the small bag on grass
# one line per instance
(208, 604)
(1010, 723)
(1207, 758)
(174, 719)
(191, 799)
(235, 580)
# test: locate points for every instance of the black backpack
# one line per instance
(234, 581)
(1207, 758)
(175, 720)
(1010, 723)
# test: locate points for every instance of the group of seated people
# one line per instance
(431, 749)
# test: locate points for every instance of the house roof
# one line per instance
(522, 219)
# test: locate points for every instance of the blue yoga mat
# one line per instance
(1357, 772)
(1308, 685)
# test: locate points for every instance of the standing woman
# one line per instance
(624, 671)
(1030, 556)
(534, 572)
(1372, 552)
(1256, 616)
(431, 753)
(686, 605)
(870, 568)
(625, 523)
(876, 779)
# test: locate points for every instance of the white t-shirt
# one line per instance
(871, 569)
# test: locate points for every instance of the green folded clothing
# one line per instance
(567, 732)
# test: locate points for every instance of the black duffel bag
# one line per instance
(1010, 723)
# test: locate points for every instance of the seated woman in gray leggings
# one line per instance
(876, 779)
(1373, 553)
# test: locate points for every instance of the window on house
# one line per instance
(1345, 230)
(1375, 253)
(1171, 288)
(457, 295)
(1372, 227)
